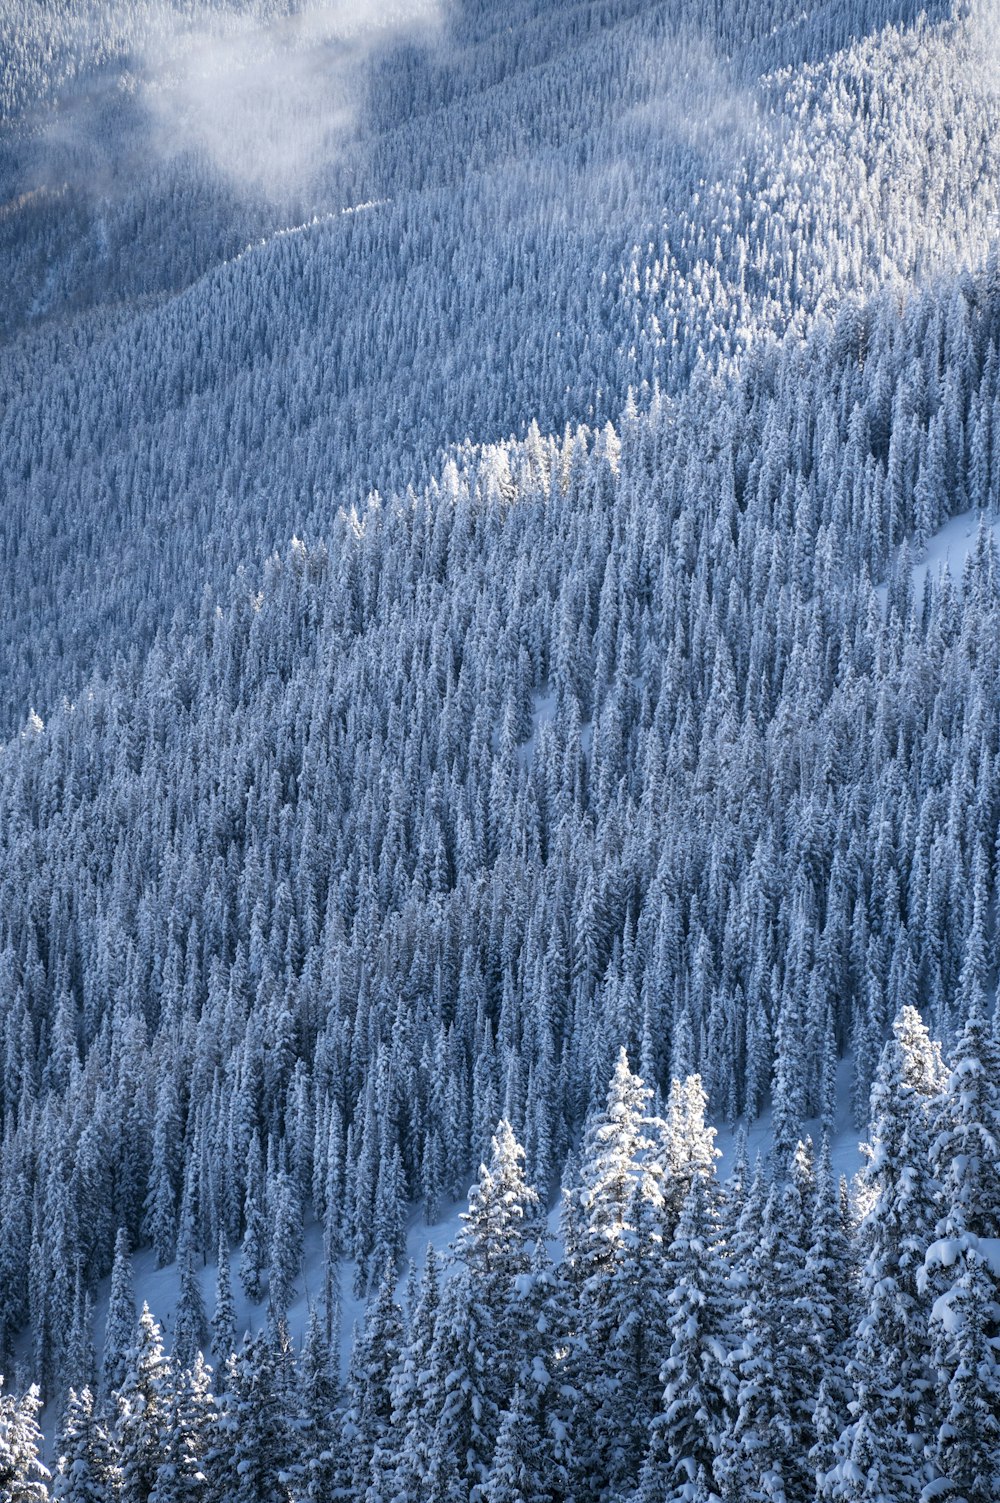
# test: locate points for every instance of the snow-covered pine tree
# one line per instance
(187, 1471)
(765, 1446)
(966, 1447)
(22, 1474)
(142, 1402)
(514, 1475)
(458, 1400)
(84, 1468)
(412, 1416)
(256, 1239)
(375, 1354)
(320, 1423)
(495, 1249)
(256, 1449)
(119, 1330)
(224, 1315)
(190, 1324)
(286, 1241)
(684, 1146)
(685, 1436)
(889, 1363)
(960, 1273)
(612, 1224)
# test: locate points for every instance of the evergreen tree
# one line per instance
(495, 1249)
(513, 1477)
(966, 1448)
(889, 1363)
(463, 1420)
(613, 1233)
(253, 1256)
(964, 1317)
(412, 1415)
(119, 1331)
(375, 1355)
(765, 1448)
(286, 1242)
(22, 1475)
(143, 1406)
(187, 1439)
(320, 1423)
(84, 1469)
(686, 1435)
(224, 1317)
(256, 1451)
(190, 1324)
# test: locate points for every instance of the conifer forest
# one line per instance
(499, 751)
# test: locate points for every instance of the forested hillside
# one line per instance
(597, 197)
(463, 649)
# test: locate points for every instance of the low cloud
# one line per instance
(267, 101)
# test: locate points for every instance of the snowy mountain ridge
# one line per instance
(607, 753)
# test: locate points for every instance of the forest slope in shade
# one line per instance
(480, 685)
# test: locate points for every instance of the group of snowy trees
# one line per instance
(694, 1341)
(600, 741)
(569, 199)
(633, 735)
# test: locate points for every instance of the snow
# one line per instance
(845, 1141)
(159, 1288)
(950, 546)
(946, 1251)
(543, 711)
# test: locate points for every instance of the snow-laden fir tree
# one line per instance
(190, 1323)
(514, 1475)
(224, 1314)
(84, 1470)
(412, 1419)
(188, 1470)
(143, 1406)
(22, 1474)
(613, 1230)
(119, 1330)
(685, 1435)
(961, 1273)
(889, 1362)
(256, 1451)
(373, 1358)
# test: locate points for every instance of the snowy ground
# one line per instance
(845, 1144)
(950, 546)
(160, 1287)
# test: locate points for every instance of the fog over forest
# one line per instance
(500, 766)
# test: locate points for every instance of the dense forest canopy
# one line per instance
(461, 648)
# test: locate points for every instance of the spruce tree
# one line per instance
(187, 1470)
(119, 1331)
(375, 1355)
(320, 1424)
(190, 1325)
(614, 1245)
(224, 1316)
(413, 1415)
(962, 1287)
(686, 1434)
(143, 1405)
(22, 1475)
(256, 1449)
(78, 1473)
(966, 1447)
(513, 1476)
